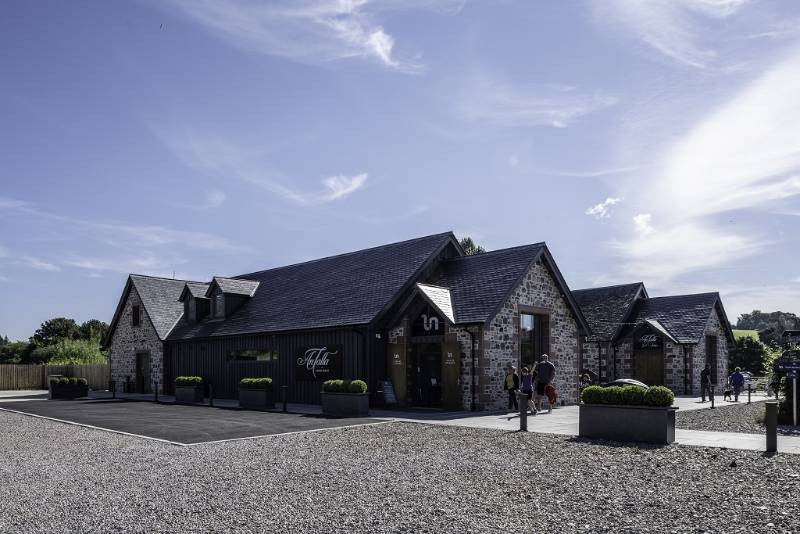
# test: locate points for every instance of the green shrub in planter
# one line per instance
(63, 380)
(633, 395)
(357, 386)
(658, 396)
(189, 381)
(612, 395)
(592, 395)
(264, 383)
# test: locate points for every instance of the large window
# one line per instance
(711, 356)
(534, 337)
(252, 355)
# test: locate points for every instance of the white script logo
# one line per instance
(316, 358)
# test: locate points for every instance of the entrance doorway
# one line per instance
(649, 367)
(425, 375)
(143, 372)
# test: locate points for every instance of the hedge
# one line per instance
(344, 386)
(57, 381)
(189, 381)
(264, 383)
(628, 396)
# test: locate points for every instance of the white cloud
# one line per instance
(213, 199)
(603, 209)
(677, 29)
(509, 106)
(334, 188)
(38, 264)
(641, 223)
(310, 31)
(10, 203)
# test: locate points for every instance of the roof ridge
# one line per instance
(608, 287)
(442, 234)
(490, 252)
(708, 293)
(165, 278)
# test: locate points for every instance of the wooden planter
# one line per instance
(256, 399)
(644, 424)
(68, 391)
(189, 394)
(345, 404)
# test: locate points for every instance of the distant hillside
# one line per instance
(741, 334)
(769, 325)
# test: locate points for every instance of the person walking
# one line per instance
(545, 373)
(705, 384)
(511, 385)
(737, 381)
(527, 388)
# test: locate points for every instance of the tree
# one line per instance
(470, 247)
(69, 352)
(748, 354)
(770, 325)
(15, 352)
(93, 329)
(3, 341)
(53, 330)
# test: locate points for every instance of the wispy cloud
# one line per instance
(333, 188)
(310, 31)
(10, 203)
(603, 209)
(213, 199)
(38, 264)
(509, 106)
(676, 29)
(745, 155)
(594, 173)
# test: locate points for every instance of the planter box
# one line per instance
(645, 424)
(345, 404)
(256, 399)
(68, 391)
(189, 394)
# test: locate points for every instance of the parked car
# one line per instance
(625, 382)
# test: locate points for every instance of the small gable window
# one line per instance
(219, 304)
(136, 316)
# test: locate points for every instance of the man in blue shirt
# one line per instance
(737, 381)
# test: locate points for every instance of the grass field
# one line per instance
(739, 334)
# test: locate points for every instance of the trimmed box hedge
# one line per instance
(189, 381)
(262, 383)
(344, 386)
(658, 396)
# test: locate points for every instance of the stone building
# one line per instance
(659, 341)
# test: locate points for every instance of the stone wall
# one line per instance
(129, 339)
(713, 328)
(501, 340)
(468, 357)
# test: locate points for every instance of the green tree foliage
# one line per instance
(55, 330)
(470, 247)
(769, 325)
(69, 352)
(15, 352)
(4, 341)
(93, 329)
(748, 353)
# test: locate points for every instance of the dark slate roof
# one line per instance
(684, 316)
(236, 286)
(197, 289)
(160, 299)
(606, 308)
(348, 289)
(479, 284)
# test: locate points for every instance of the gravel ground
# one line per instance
(384, 478)
(729, 417)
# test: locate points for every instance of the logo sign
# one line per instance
(649, 342)
(396, 359)
(321, 362)
(429, 323)
(450, 359)
(790, 361)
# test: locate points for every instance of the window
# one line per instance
(136, 317)
(219, 304)
(534, 337)
(252, 355)
(711, 356)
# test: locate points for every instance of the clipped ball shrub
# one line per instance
(633, 395)
(264, 383)
(63, 380)
(54, 380)
(82, 382)
(592, 395)
(190, 381)
(658, 396)
(613, 395)
(357, 386)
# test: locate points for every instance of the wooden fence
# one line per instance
(14, 376)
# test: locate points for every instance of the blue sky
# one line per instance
(653, 141)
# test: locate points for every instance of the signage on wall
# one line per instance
(428, 323)
(789, 361)
(319, 363)
(396, 359)
(649, 342)
(450, 358)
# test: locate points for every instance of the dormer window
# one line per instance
(219, 304)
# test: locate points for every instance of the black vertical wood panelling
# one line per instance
(208, 358)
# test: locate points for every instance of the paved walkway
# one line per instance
(20, 395)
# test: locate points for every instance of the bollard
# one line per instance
(748, 393)
(712, 397)
(283, 396)
(156, 391)
(113, 387)
(522, 398)
(772, 426)
(211, 394)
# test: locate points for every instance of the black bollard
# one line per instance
(211, 394)
(712, 397)
(156, 391)
(772, 426)
(522, 398)
(748, 393)
(113, 387)
(283, 396)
